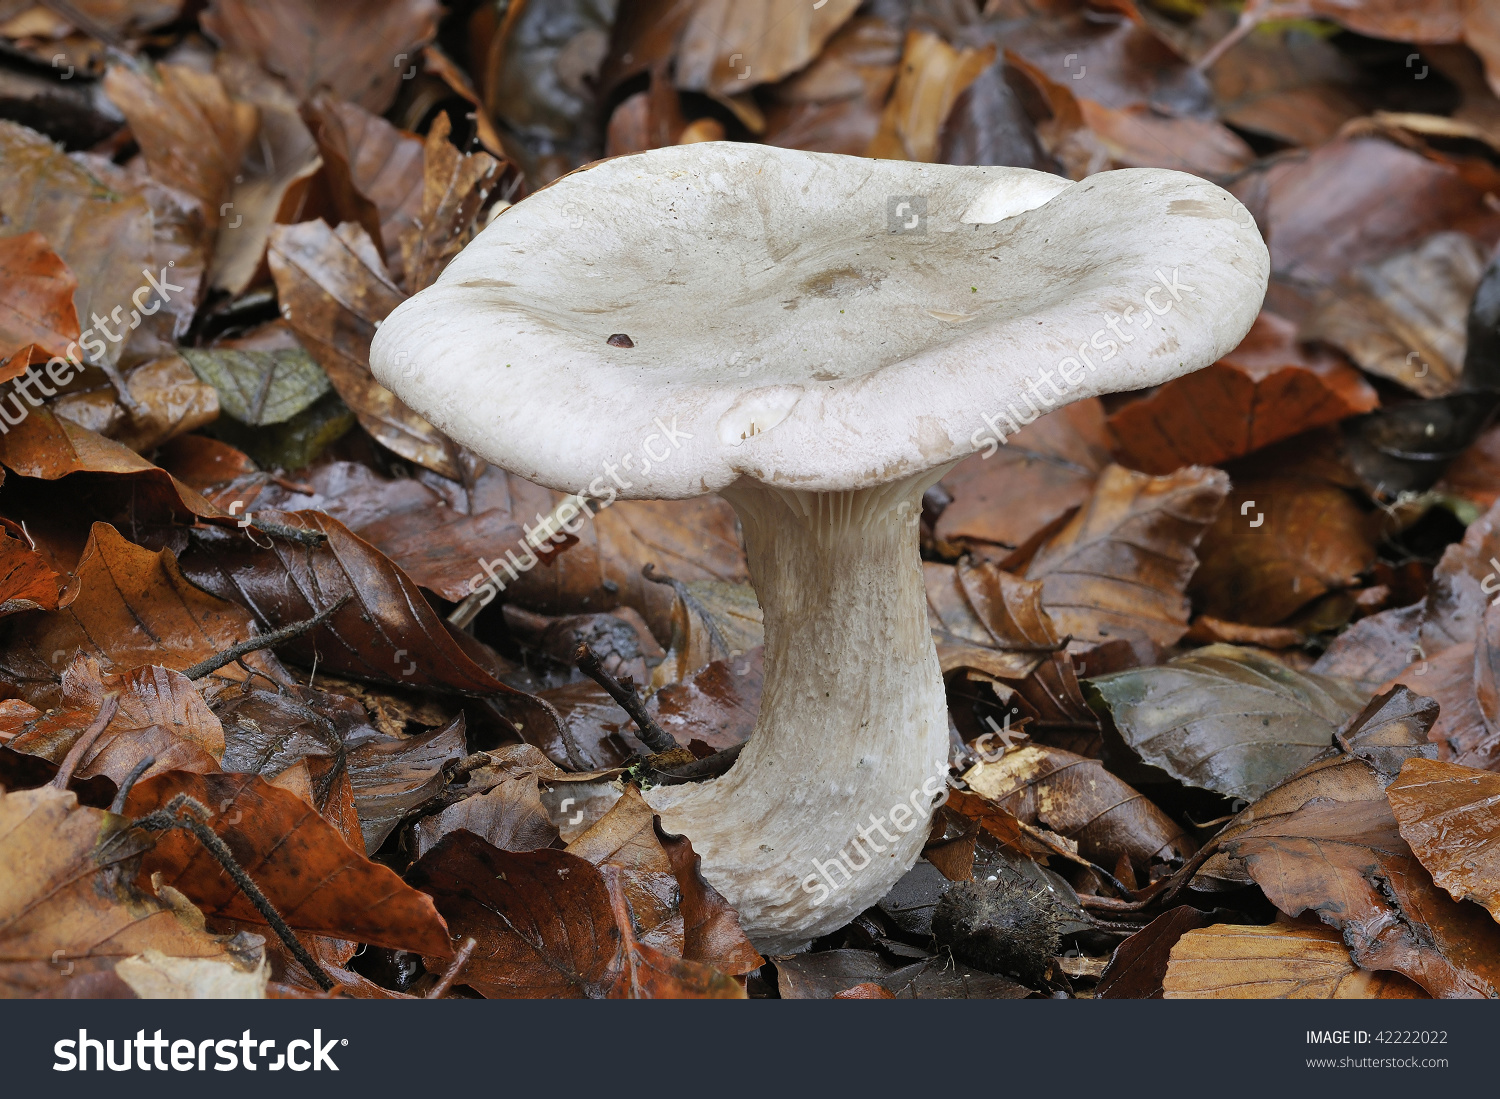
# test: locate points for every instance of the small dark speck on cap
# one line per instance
(619, 339)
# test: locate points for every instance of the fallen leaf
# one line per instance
(1348, 864)
(625, 838)
(647, 973)
(1138, 966)
(317, 882)
(716, 705)
(171, 402)
(153, 975)
(27, 582)
(835, 104)
(1446, 813)
(931, 75)
(333, 291)
(710, 928)
(1077, 798)
(728, 48)
(36, 299)
(360, 46)
(394, 776)
(260, 387)
(454, 187)
(1226, 719)
(1277, 962)
(1119, 567)
(1267, 389)
(509, 815)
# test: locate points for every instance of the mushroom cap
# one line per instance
(809, 320)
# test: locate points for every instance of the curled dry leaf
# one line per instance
(1138, 966)
(357, 43)
(1119, 567)
(27, 582)
(1225, 718)
(303, 865)
(333, 290)
(1267, 389)
(455, 187)
(67, 914)
(1077, 798)
(394, 776)
(729, 46)
(625, 838)
(1447, 814)
(1347, 863)
(1277, 962)
(835, 104)
(36, 300)
(932, 74)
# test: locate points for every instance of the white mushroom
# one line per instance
(818, 338)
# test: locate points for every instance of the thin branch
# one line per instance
(122, 795)
(652, 734)
(312, 538)
(455, 967)
(187, 814)
(714, 636)
(263, 641)
(86, 740)
(708, 767)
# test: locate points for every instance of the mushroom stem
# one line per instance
(829, 802)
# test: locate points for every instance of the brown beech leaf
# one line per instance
(509, 815)
(647, 973)
(1119, 567)
(1139, 964)
(373, 170)
(36, 300)
(626, 839)
(1077, 798)
(834, 105)
(715, 705)
(172, 401)
(710, 927)
(1226, 718)
(1347, 863)
(1267, 389)
(1279, 543)
(27, 582)
(454, 187)
(105, 237)
(1463, 680)
(729, 46)
(393, 776)
(1475, 474)
(191, 132)
(543, 919)
(1295, 87)
(160, 715)
(357, 43)
(1332, 210)
(1391, 729)
(333, 289)
(932, 74)
(1276, 962)
(67, 915)
(127, 606)
(47, 447)
(386, 614)
(303, 865)
(1021, 490)
(1447, 814)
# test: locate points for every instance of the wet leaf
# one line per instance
(710, 927)
(1278, 962)
(359, 45)
(454, 187)
(1138, 967)
(170, 400)
(647, 973)
(509, 815)
(260, 387)
(316, 880)
(36, 299)
(1267, 389)
(716, 705)
(27, 582)
(394, 776)
(1118, 568)
(1446, 813)
(1348, 864)
(1226, 719)
(729, 47)
(931, 75)
(625, 838)
(1077, 798)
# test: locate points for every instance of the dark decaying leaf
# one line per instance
(316, 880)
(1139, 965)
(509, 815)
(1077, 798)
(1226, 718)
(260, 387)
(1447, 814)
(393, 776)
(1347, 863)
(626, 839)
(716, 705)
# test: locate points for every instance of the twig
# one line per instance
(624, 693)
(1248, 21)
(714, 636)
(86, 740)
(468, 765)
(122, 795)
(708, 767)
(86, 23)
(1072, 856)
(312, 538)
(263, 641)
(187, 814)
(455, 967)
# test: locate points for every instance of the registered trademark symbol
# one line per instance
(343, 1041)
